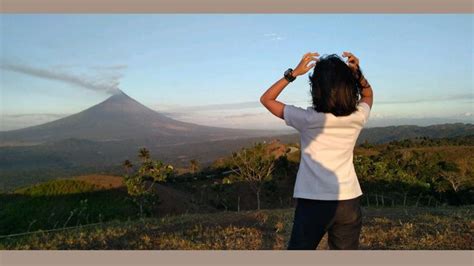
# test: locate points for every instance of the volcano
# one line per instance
(122, 118)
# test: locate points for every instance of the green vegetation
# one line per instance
(57, 188)
(255, 166)
(401, 173)
(62, 203)
(384, 228)
(140, 184)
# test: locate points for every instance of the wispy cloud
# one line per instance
(16, 121)
(53, 115)
(113, 67)
(217, 107)
(273, 36)
(467, 97)
(106, 82)
(225, 106)
(246, 115)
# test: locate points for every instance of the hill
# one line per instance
(379, 135)
(83, 200)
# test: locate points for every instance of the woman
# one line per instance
(327, 190)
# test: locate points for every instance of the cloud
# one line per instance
(107, 82)
(17, 121)
(95, 67)
(273, 36)
(225, 106)
(52, 115)
(246, 115)
(218, 107)
(467, 96)
(114, 67)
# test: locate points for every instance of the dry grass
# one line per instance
(389, 228)
(102, 181)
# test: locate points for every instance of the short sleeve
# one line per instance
(364, 109)
(295, 117)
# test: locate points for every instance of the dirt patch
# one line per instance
(174, 202)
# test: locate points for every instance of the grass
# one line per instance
(62, 203)
(384, 228)
(57, 187)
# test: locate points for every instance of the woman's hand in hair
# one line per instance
(352, 61)
(303, 66)
(366, 91)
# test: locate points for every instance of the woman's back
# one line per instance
(326, 169)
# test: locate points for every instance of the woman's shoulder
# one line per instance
(363, 110)
(299, 117)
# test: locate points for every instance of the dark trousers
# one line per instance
(341, 219)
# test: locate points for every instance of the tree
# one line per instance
(255, 166)
(454, 179)
(140, 184)
(144, 154)
(194, 165)
(455, 174)
(139, 190)
(127, 165)
(366, 145)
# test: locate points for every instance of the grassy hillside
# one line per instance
(82, 200)
(384, 228)
(61, 203)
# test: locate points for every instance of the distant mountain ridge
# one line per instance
(378, 135)
(122, 118)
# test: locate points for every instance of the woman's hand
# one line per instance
(367, 95)
(353, 63)
(303, 66)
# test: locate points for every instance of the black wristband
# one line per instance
(288, 75)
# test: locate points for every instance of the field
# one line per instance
(384, 228)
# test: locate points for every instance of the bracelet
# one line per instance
(363, 83)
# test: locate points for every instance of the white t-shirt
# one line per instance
(326, 170)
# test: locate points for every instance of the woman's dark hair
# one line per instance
(334, 88)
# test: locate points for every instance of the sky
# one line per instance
(211, 69)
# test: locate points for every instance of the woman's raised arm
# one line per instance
(268, 99)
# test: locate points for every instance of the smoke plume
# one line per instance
(106, 83)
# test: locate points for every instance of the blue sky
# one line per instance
(211, 69)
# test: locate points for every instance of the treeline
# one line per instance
(412, 172)
(424, 142)
(398, 177)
